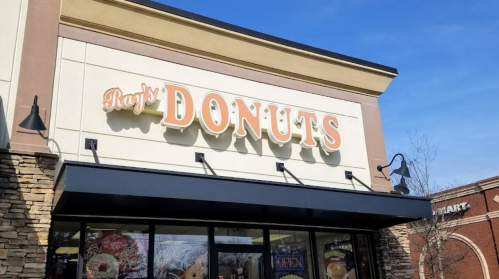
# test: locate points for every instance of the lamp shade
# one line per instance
(402, 187)
(33, 121)
(403, 170)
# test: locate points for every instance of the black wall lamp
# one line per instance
(33, 121)
(402, 171)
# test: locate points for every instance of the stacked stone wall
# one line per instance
(393, 254)
(26, 194)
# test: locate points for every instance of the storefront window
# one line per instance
(363, 256)
(233, 265)
(335, 256)
(224, 235)
(181, 252)
(291, 254)
(116, 250)
(63, 250)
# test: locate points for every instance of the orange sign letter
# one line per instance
(174, 116)
(247, 118)
(330, 138)
(307, 121)
(214, 114)
(273, 121)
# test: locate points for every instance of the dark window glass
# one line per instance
(335, 256)
(181, 252)
(233, 265)
(363, 256)
(63, 250)
(291, 254)
(116, 250)
(224, 235)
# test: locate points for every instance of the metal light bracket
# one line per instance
(201, 159)
(91, 144)
(280, 167)
(349, 175)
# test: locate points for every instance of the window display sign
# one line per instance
(338, 262)
(289, 262)
(115, 253)
(215, 114)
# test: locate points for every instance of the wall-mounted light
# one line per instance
(402, 171)
(33, 121)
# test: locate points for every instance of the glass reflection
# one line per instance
(63, 250)
(181, 252)
(363, 256)
(240, 265)
(225, 235)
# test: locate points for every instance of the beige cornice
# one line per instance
(143, 24)
(460, 222)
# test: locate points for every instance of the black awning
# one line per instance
(86, 189)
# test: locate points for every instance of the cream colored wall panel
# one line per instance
(147, 126)
(73, 50)
(55, 94)
(66, 141)
(9, 19)
(232, 163)
(206, 81)
(70, 104)
(140, 140)
(4, 93)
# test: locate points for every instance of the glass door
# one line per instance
(239, 253)
(238, 264)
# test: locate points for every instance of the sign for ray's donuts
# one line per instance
(215, 114)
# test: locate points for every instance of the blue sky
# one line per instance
(446, 52)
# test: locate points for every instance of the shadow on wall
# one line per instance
(26, 194)
(4, 133)
(126, 120)
(392, 253)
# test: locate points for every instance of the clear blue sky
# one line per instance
(446, 52)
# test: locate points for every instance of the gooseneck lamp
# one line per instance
(34, 121)
(402, 171)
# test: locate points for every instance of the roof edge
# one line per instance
(262, 36)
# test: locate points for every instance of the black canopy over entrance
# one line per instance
(86, 189)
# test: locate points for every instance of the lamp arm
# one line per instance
(380, 168)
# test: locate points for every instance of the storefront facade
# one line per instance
(469, 227)
(220, 152)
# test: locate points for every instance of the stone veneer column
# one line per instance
(26, 194)
(393, 254)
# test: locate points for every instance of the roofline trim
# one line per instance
(262, 36)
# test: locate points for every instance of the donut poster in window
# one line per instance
(339, 262)
(113, 254)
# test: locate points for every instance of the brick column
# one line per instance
(26, 194)
(393, 254)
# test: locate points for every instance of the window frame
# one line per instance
(214, 248)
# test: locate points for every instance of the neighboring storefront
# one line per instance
(468, 226)
(180, 147)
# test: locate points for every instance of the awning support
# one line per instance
(200, 159)
(91, 144)
(280, 167)
(349, 175)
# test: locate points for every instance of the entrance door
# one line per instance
(240, 262)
